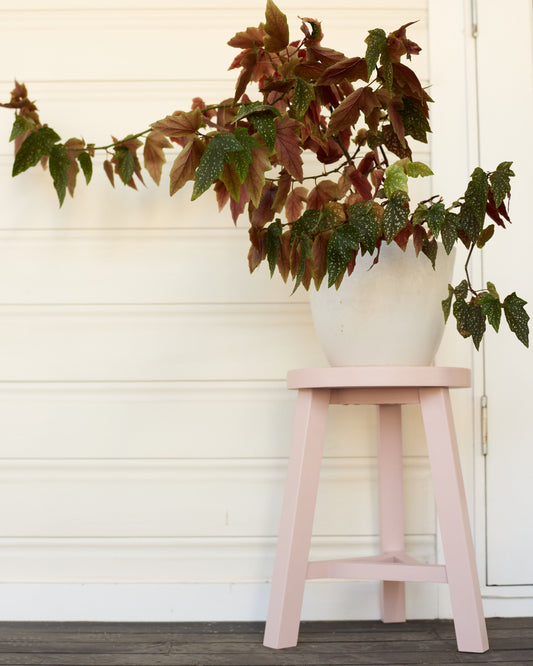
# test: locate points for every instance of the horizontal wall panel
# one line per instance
(140, 44)
(233, 5)
(208, 602)
(199, 560)
(65, 343)
(177, 420)
(171, 498)
(143, 266)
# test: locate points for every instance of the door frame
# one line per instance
(455, 123)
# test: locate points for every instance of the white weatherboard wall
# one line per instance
(145, 421)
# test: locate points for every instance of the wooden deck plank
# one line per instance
(240, 644)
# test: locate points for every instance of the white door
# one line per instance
(505, 109)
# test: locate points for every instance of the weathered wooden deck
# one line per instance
(240, 644)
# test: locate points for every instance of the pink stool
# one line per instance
(388, 387)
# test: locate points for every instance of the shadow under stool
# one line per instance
(389, 388)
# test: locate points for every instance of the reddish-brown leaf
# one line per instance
(237, 207)
(367, 163)
(154, 155)
(276, 28)
(185, 165)
(288, 148)
(198, 103)
(494, 213)
(248, 38)
(248, 64)
(74, 148)
(319, 257)
(231, 180)
(284, 186)
(309, 70)
(255, 178)
(408, 81)
(376, 176)
(325, 55)
(322, 194)
(347, 113)
(410, 47)
(361, 184)
(314, 36)
(222, 194)
(402, 238)
(396, 119)
(108, 168)
(284, 255)
(257, 250)
(263, 213)
(350, 69)
(182, 124)
(295, 204)
(419, 236)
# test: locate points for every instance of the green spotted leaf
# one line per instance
(212, 162)
(387, 71)
(21, 125)
(241, 159)
(376, 41)
(500, 182)
(485, 236)
(447, 303)
(430, 249)
(492, 309)
(492, 290)
(420, 214)
(461, 291)
(341, 245)
(306, 225)
(273, 235)
(360, 216)
(517, 317)
(448, 232)
(126, 163)
(435, 218)
(460, 312)
(415, 169)
(36, 145)
(476, 323)
(306, 252)
(59, 165)
(470, 320)
(468, 222)
(303, 95)
(396, 215)
(253, 108)
(414, 120)
(476, 196)
(86, 165)
(265, 125)
(395, 179)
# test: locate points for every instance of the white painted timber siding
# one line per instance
(144, 419)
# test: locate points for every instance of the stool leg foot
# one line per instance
(391, 511)
(290, 568)
(470, 628)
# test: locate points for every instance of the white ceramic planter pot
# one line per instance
(390, 314)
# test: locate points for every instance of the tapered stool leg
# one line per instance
(391, 508)
(470, 628)
(290, 568)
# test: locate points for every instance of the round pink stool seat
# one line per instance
(389, 388)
